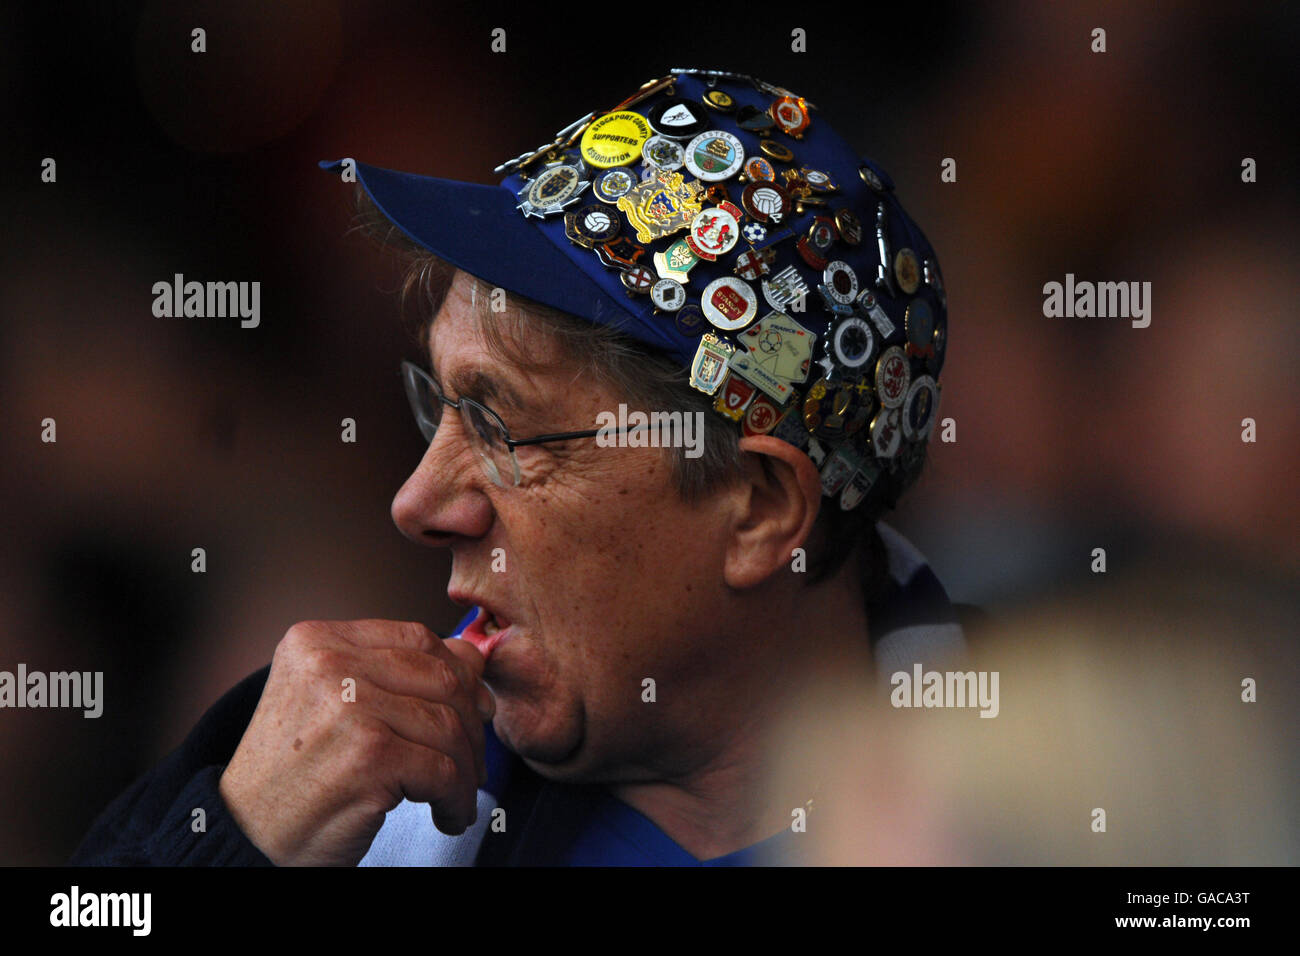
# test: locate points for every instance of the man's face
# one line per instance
(608, 577)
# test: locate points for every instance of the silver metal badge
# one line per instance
(869, 305)
(784, 288)
(852, 342)
(668, 295)
(554, 190)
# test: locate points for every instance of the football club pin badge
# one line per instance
(613, 184)
(766, 202)
(734, 398)
(660, 205)
(709, 366)
(591, 225)
(754, 263)
(832, 411)
(818, 181)
(870, 178)
(714, 232)
(761, 416)
(785, 287)
(849, 225)
(614, 139)
(778, 151)
(678, 119)
(919, 408)
(791, 429)
(868, 305)
(840, 285)
(838, 468)
(720, 101)
(676, 262)
(758, 170)
(859, 486)
(919, 322)
(893, 376)
(619, 253)
(852, 343)
(886, 432)
(714, 155)
(637, 280)
(815, 246)
(907, 269)
(690, 321)
(791, 114)
(776, 355)
(729, 303)
(668, 295)
(753, 120)
(663, 153)
(554, 190)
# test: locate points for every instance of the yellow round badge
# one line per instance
(614, 139)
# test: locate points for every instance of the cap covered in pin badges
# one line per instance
(719, 219)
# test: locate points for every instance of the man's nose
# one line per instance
(444, 498)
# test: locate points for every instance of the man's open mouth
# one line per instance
(487, 631)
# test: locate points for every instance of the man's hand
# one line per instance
(314, 775)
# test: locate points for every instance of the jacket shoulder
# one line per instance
(155, 821)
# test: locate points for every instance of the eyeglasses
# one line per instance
(488, 435)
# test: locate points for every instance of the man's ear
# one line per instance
(782, 495)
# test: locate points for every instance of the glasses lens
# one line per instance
(488, 438)
(423, 396)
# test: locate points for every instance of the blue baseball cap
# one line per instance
(719, 219)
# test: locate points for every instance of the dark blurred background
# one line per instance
(181, 433)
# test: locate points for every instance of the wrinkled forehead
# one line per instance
(479, 327)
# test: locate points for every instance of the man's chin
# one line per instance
(548, 751)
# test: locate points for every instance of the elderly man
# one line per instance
(712, 256)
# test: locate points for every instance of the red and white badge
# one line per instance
(791, 114)
(766, 202)
(715, 232)
(754, 263)
(893, 375)
(637, 279)
(761, 417)
(729, 304)
(886, 432)
(817, 243)
(734, 398)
